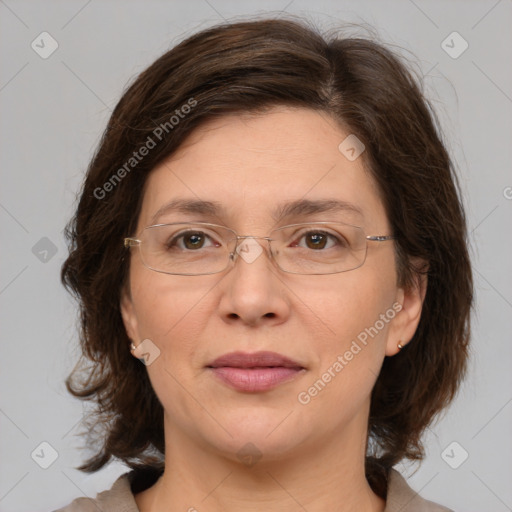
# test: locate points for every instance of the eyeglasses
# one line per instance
(200, 248)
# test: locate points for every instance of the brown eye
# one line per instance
(194, 240)
(191, 241)
(316, 240)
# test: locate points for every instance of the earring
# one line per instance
(400, 346)
(132, 347)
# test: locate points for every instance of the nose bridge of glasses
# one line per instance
(244, 237)
(250, 247)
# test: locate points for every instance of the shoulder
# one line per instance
(120, 497)
(402, 498)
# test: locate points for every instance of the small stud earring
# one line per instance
(400, 346)
(132, 347)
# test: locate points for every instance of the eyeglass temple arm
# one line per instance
(380, 238)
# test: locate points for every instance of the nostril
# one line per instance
(270, 315)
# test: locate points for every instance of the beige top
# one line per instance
(119, 498)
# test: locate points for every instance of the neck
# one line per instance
(316, 478)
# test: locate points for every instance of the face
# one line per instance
(336, 329)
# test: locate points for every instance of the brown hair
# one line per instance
(249, 67)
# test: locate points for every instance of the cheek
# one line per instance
(165, 304)
(173, 312)
(352, 302)
(357, 308)
(349, 358)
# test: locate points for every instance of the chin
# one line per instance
(256, 434)
(249, 450)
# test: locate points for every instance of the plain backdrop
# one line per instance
(53, 111)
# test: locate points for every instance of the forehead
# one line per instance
(251, 165)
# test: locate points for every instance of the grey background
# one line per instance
(53, 112)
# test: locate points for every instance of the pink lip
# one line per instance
(256, 372)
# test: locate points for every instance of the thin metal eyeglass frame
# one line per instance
(132, 242)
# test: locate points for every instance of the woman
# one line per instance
(270, 258)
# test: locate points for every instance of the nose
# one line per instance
(253, 292)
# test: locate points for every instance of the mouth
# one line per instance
(257, 372)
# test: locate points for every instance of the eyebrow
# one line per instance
(299, 207)
(310, 207)
(211, 208)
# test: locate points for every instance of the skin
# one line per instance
(311, 455)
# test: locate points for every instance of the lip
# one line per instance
(256, 372)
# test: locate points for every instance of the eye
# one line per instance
(191, 240)
(318, 240)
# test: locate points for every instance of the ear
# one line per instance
(129, 316)
(409, 304)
